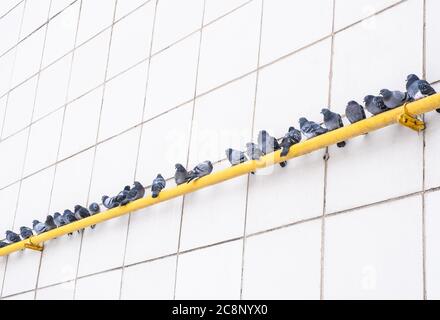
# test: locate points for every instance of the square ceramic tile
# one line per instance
(81, 123)
(432, 224)
(2, 110)
(52, 87)
(11, 166)
(21, 272)
(28, 59)
(212, 274)
(284, 264)
(432, 45)
(6, 69)
(154, 231)
(176, 19)
(3, 261)
(271, 188)
(215, 9)
(229, 47)
(10, 28)
(59, 5)
(61, 34)
(202, 224)
(280, 20)
(95, 16)
(348, 12)
(89, 65)
(377, 160)
(35, 15)
(223, 119)
(172, 147)
(60, 260)
(72, 180)
(150, 281)
(8, 205)
(131, 39)
(19, 107)
(62, 291)
(432, 151)
(124, 100)
(45, 135)
(33, 202)
(284, 94)
(8, 5)
(114, 165)
(173, 68)
(356, 75)
(125, 7)
(104, 286)
(375, 253)
(23, 296)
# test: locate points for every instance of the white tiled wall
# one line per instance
(95, 94)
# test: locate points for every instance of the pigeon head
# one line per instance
(104, 198)
(386, 93)
(35, 222)
(412, 78)
(179, 167)
(56, 215)
(49, 219)
(67, 211)
(368, 99)
(325, 111)
(22, 229)
(352, 103)
(302, 121)
(8, 232)
(77, 207)
(127, 188)
(138, 185)
(94, 207)
(159, 176)
(291, 129)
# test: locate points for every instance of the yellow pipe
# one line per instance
(371, 124)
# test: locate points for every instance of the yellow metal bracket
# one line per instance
(409, 120)
(29, 245)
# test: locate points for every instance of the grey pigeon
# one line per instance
(122, 196)
(94, 209)
(3, 244)
(418, 89)
(50, 223)
(333, 121)
(12, 237)
(137, 191)
(393, 99)
(159, 183)
(235, 157)
(355, 112)
(311, 129)
(58, 220)
(375, 105)
(26, 232)
(81, 212)
(292, 137)
(109, 203)
(253, 151)
(69, 217)
(200, 170)
(181, 175)
(269, 144)
(39, 227)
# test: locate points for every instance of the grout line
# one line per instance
(12, 8)
(139, 142)
(189, 147)
(257, 77)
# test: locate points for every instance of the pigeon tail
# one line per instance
(155, 194)
(283, 164)
(285, 151)
(438, 110)
(341, 144)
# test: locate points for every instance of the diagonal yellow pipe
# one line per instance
(371, 124)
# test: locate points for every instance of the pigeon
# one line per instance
(94, 209)
(393, 99)
(235, 156)
(50, 223)
(375, 105)
(181, 175)
(292, 137)
(12, 236)
(136, 192)
(58, 220)
(333, 121)
(26, 232)
(418, 89)
(122, 196)
(158, 184)
(268, 144)
(200, 170)
(109, 203)
(253, 152)
(355, 112)
(69, 217)
(311, 129)
(3, 244)
(81, 212)
(39, 227)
